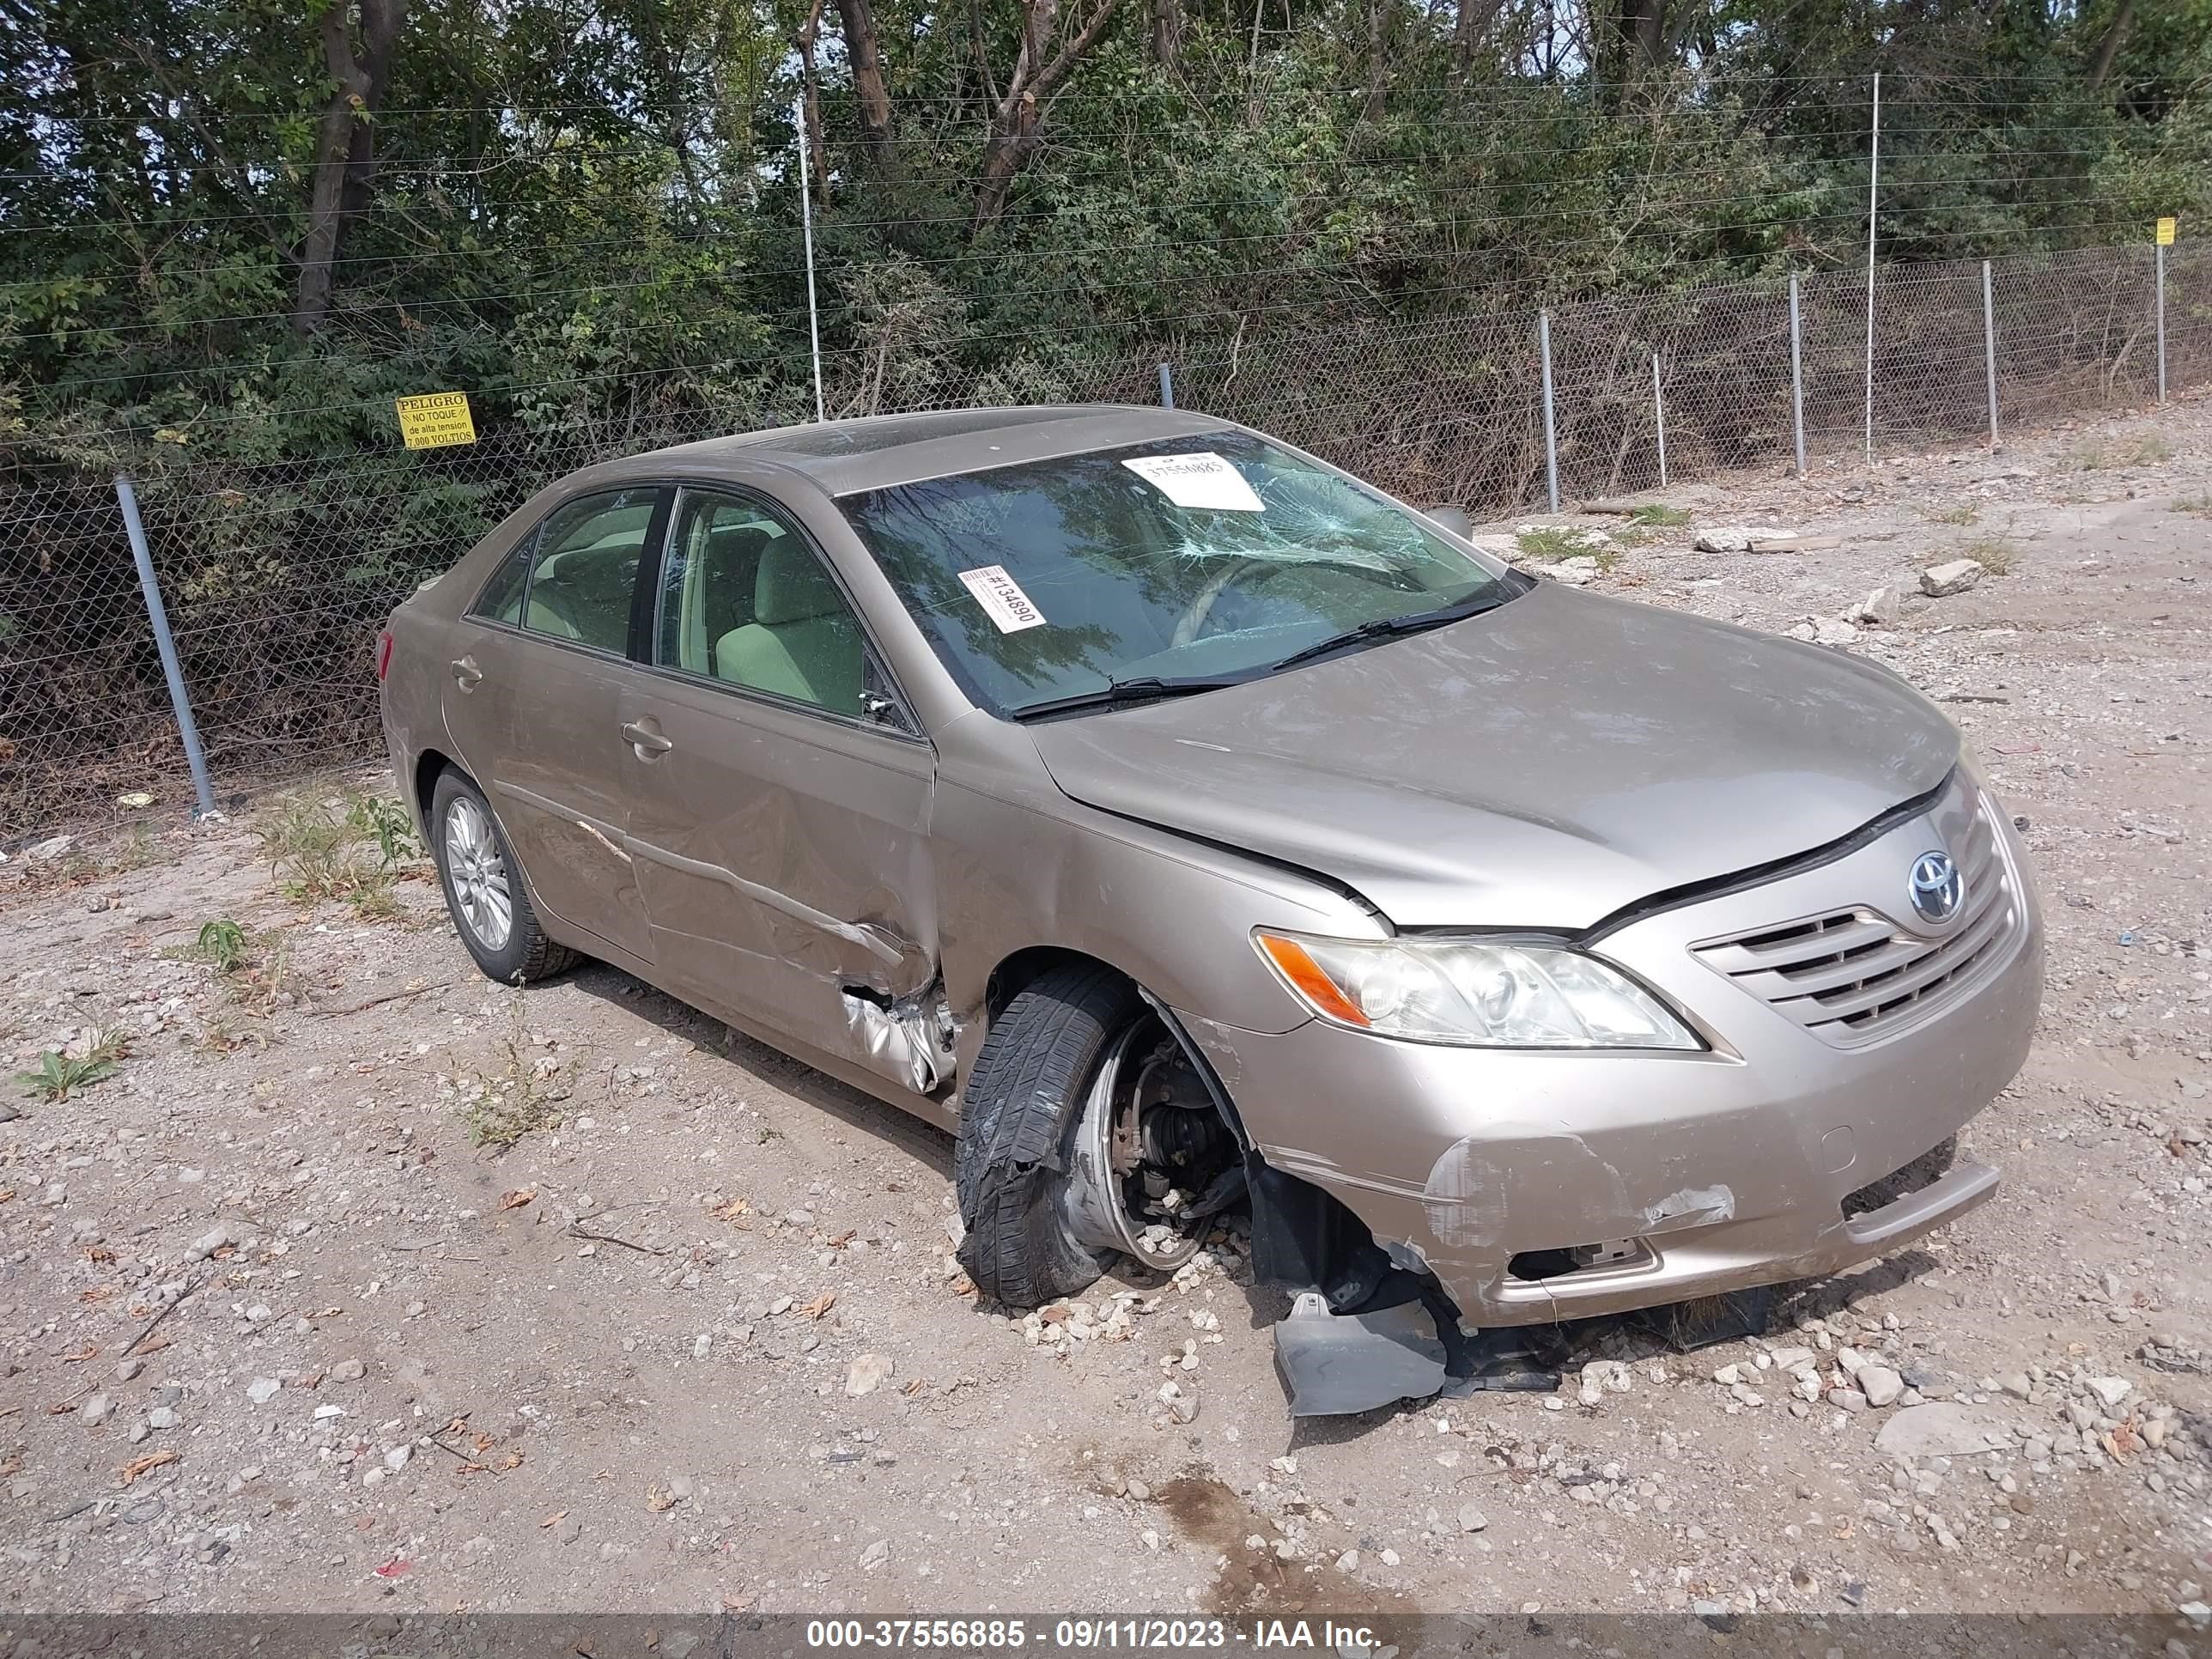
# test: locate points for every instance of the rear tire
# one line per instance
(485, 892)
(1016, 1123)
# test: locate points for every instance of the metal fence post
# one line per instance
(1167, 387)
(806, 229)
(168, 647)
(1551, 435)
(1873, 197)
(1796, 376)
(1659, 413)
(2160, 249)
(1990, 348)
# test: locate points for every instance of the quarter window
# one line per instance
(746, 600)
(574, 579)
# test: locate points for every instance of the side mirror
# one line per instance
(1454, 518)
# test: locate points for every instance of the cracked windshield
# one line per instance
(1172, 565)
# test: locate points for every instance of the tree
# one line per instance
(344, 166)
(1018, 115)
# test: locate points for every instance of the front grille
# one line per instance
(1853, 975)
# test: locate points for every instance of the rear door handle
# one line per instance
(465, 672)
(648, 742)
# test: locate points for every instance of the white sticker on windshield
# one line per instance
(1002, 598)
(1203, 481)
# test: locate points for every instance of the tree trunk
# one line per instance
(810, 109)
(1017, 123)
(2109, 48)
(865, 55)
(1377, 61)
(1167, 32)
(345, 155)
(1472, 22)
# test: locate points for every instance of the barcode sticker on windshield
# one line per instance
(1002, 598)
(1204, 481)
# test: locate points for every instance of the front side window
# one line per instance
(744, 600)
(1192, 559)
(574, 578)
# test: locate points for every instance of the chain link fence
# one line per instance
(276, 576)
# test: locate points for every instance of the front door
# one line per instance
(533, 702)
(779, 829)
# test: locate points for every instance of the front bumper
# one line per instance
(1727, 1169)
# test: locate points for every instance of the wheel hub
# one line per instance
(476, 871)
(1147, 1143)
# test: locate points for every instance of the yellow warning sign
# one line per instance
(2166, 233)
(435, 420)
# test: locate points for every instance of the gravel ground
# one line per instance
(696, 1342)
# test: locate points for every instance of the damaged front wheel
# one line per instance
(1084, 1130)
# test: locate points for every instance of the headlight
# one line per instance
(1503, 996)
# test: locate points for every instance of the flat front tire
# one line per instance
(485, 893)
(1018, 1118)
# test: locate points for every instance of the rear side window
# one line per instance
(574, 578)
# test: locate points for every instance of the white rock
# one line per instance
(262, 1389)
(1880, 1384)
(2111, 1390)
(1883, 608)
(396, 1459)
(1940, 582)
(1830, 630)
(1472, 1519)
(1730, 538)
(868, 1372)
(96, 1411)
(1791, 1359)
(1940, 1428)
(877, 1556)
(163, 1416)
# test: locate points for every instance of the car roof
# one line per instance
(842, 457)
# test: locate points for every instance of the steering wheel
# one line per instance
(1188, 625)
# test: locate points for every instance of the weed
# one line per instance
(1659, 516)
(1965, 513)
(497, 1110)
(765, 1134)
(221, 942)
(1550, 544)
(133, 851)
(1993, 553)
(2122, 449)
(2201, 505)
(263, 979)
(60, 1072)
(218, 1038)
(351, 848)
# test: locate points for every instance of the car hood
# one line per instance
(1541, 765)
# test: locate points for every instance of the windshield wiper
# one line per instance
(1148, 687)
(1383, 627)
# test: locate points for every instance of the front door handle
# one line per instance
(648, 743)
(465, 672)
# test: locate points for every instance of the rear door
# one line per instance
(533, 702)
(781, 826)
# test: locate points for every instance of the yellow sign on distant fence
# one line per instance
(2166, 233)
(435, 420)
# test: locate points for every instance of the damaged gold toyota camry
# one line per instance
(1186, 826)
